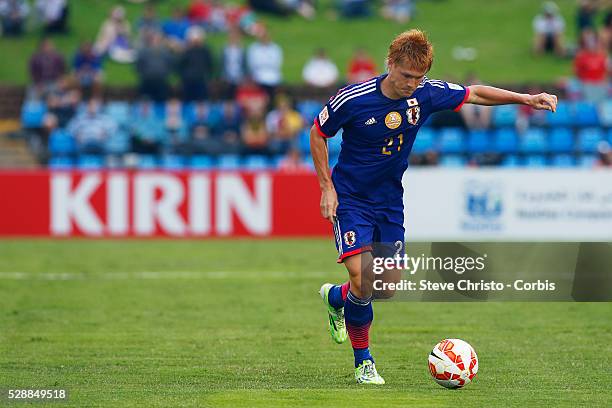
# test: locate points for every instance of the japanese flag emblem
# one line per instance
(413, 114)
(350, 238)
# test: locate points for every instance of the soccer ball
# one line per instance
(453, 363)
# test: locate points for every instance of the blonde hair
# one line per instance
(412, 46)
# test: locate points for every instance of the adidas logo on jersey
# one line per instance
(370, 121)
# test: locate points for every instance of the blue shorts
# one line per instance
(379, 230)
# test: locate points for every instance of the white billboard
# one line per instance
(508, 204)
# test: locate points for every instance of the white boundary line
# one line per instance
(158, 275)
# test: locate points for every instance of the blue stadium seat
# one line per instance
(309, 109)
(257, 162)
(119, 111)
(118, 142)
(201, 162)
(504, 115)
(605, 113)
(453, 160)
(585, 114)
(61, 142)
(534, 141)
(479, 141)
(588, 139)
(587, 160)
(228, 162)
(505, 140)
(173, 162)
(562, 117)
(563, 160)
(334, 143)
(561, 140)
(61, 163)
(535, 160)
(32, 114)
(159, 109)
(147, 161)
(215, 114)
(511, 160)
(424, 141)
(304, 141)
(451, 140)
(276, 161)
(90, 162)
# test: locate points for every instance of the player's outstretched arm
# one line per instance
(320, 157)
(488, 95)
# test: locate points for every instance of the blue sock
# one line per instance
(361, 355)
(358, 315)
(335, 297)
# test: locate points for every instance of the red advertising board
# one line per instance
(159, 204)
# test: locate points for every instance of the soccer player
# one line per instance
(363, 198)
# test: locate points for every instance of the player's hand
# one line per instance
(543, 101)
(329, 203)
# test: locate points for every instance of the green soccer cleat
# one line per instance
(337, 327)
(366, 374)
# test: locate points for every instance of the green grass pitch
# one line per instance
(239, 323)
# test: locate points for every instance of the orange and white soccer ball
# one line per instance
(453, 363)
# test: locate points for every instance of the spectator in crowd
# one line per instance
(475, 116)
(400, 11)
(591, 67)
(361, 67)
(46, 67)
(62, 104)
(175, 126)
(305, 8)
(320, 71)
(54, 15)
(292, 162)
(199, 11)
(195, 66)
(605, 32)
(204, 142)
(354, 8)
(228, 125)
(585, 17)
(13, 16)
(252, 98)
(233, 62)
(147, 23)
(147, 133)
(276, 7)
(549, 28)
(114, 37)
(283, 125)
(265, 60)
(175, 28)
(429, 158)
(87, 67)
(255, 137)
(217, 20)
(91, 129)
(220, 136)
(200, 116)
(243, 18)
(604, 151)
(154, 65)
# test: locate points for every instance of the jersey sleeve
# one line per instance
(446, 95)
(331, 118)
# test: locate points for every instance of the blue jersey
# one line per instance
(378, 134)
